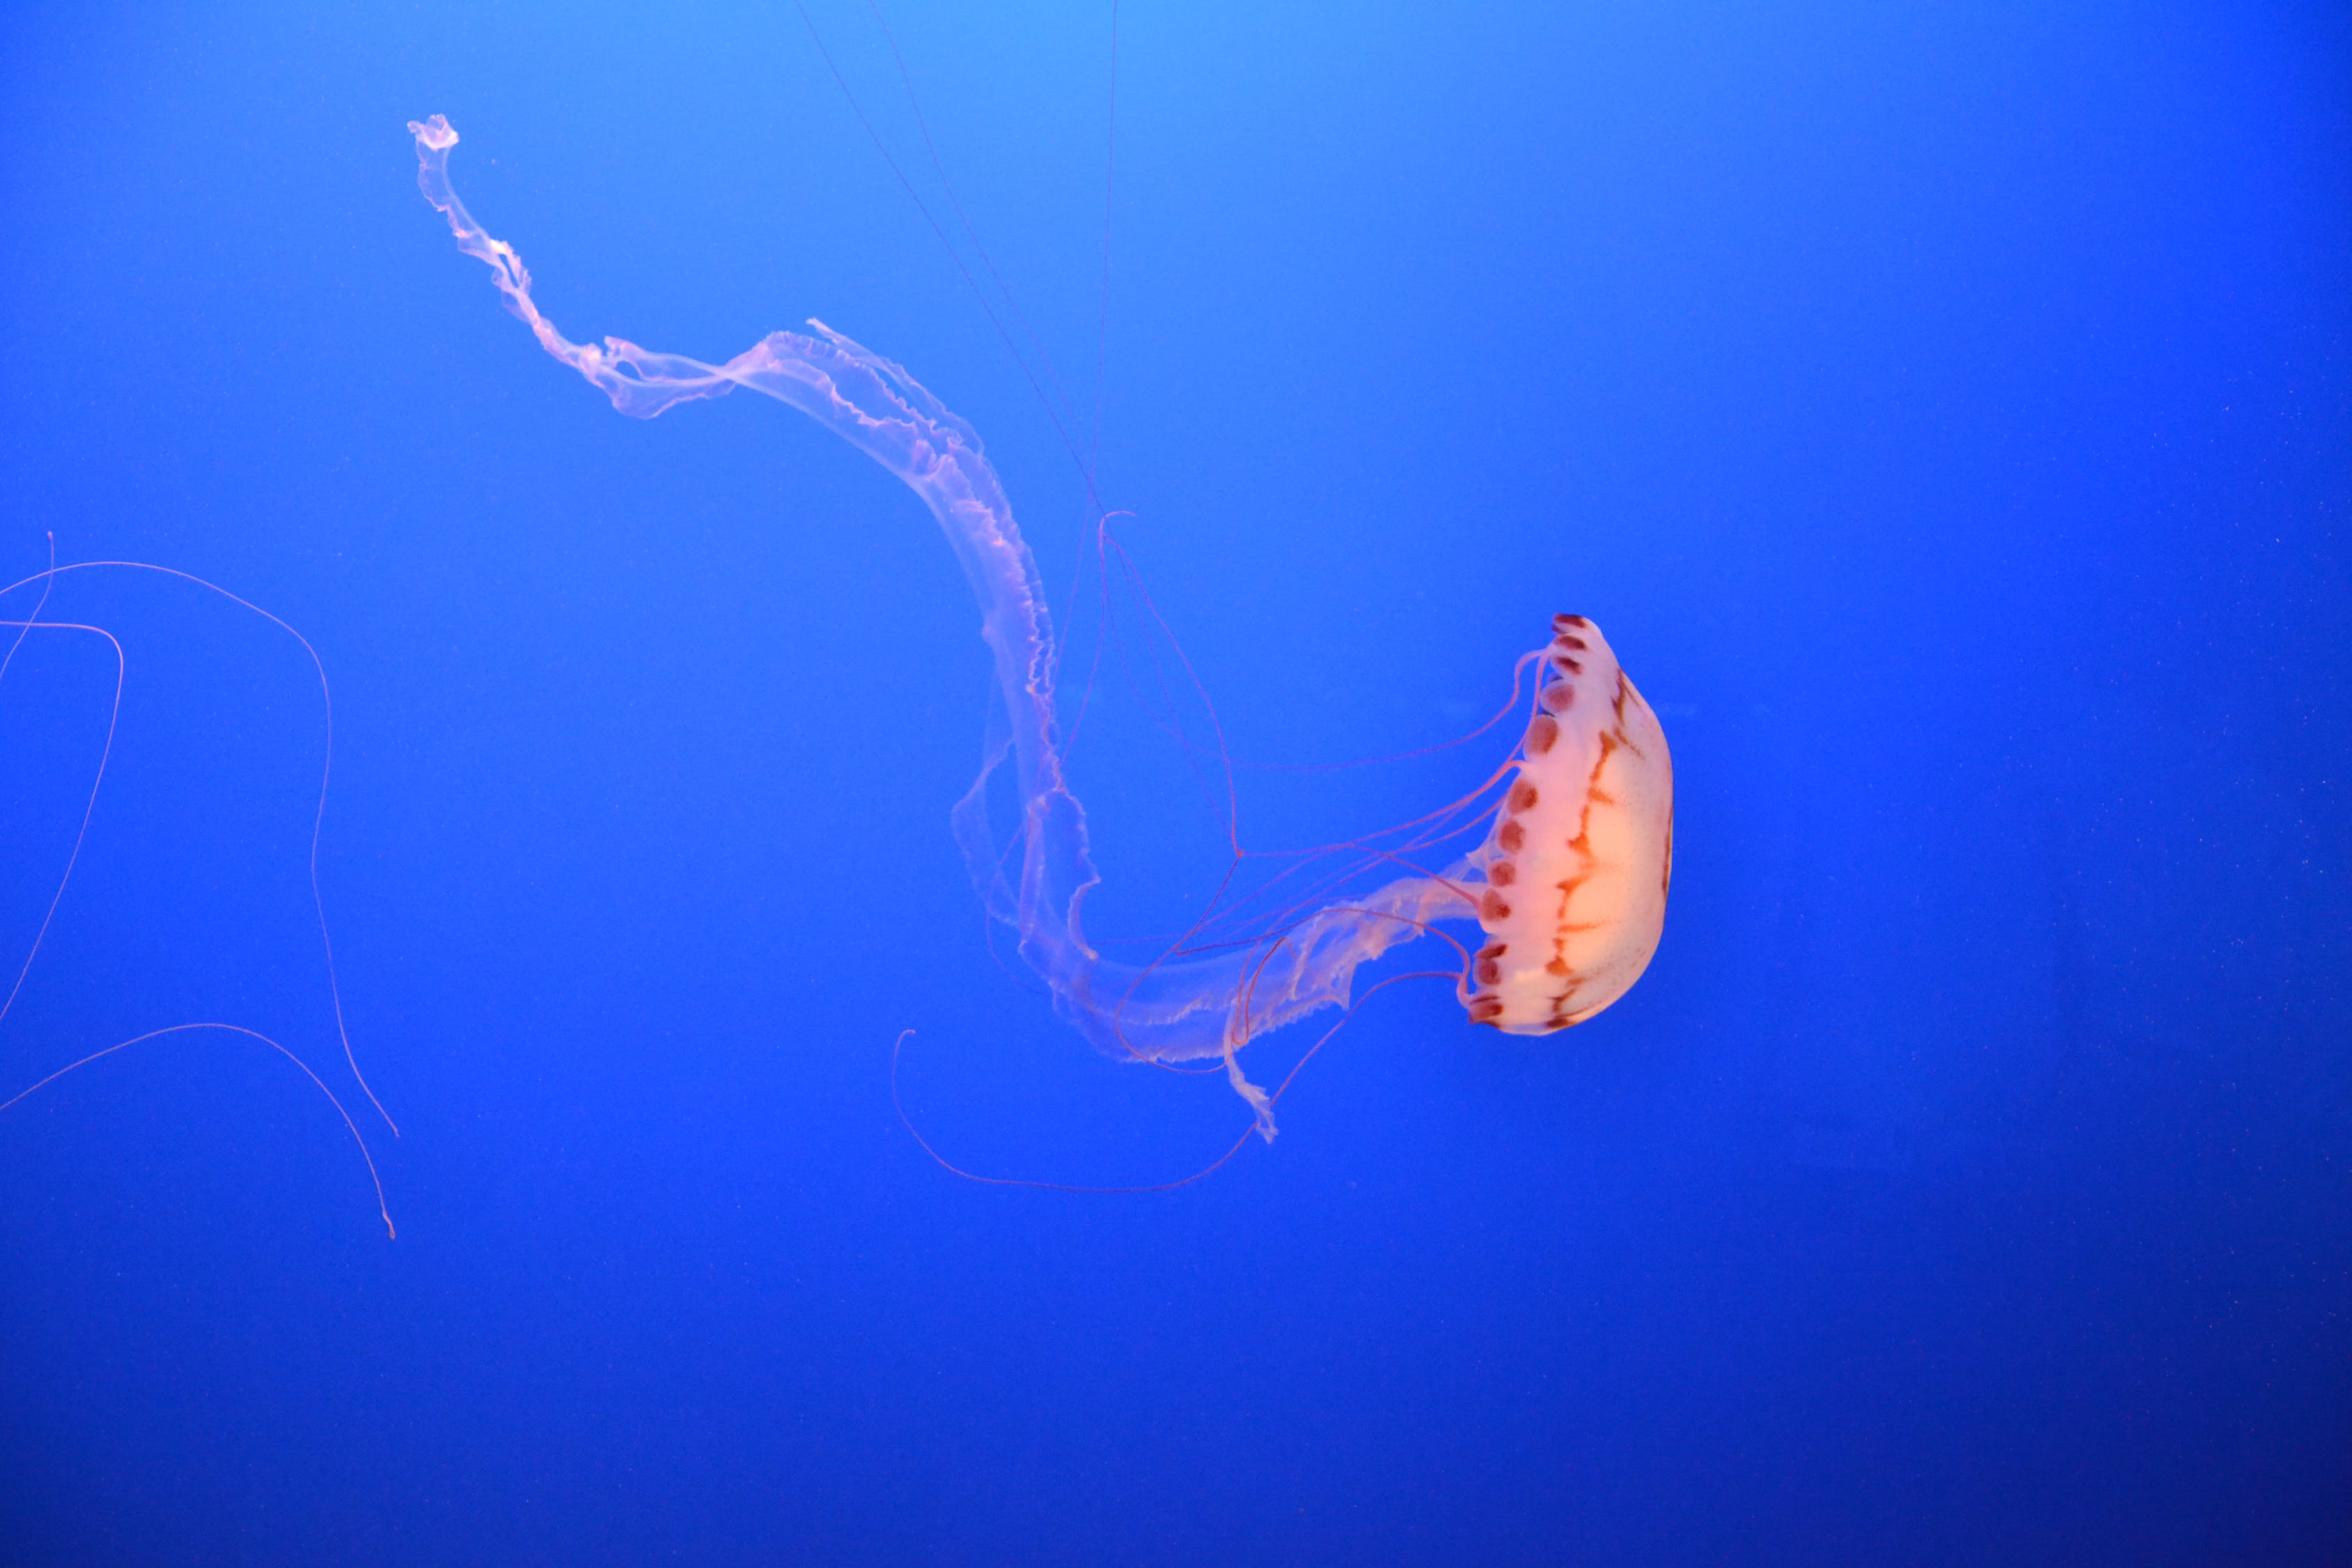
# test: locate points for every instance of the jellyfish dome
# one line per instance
(1583, 848)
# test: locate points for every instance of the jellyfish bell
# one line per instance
(1583, 848)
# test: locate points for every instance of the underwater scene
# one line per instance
(866, 782)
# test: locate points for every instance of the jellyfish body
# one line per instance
(1581, 850)
(1191, 1005)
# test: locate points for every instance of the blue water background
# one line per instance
(1943, 408)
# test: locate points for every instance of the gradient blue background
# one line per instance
(1943, 408)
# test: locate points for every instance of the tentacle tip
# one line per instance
(1261, 1103)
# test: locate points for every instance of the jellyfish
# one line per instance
(1569, 885)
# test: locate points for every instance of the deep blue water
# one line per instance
(1944, 408)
